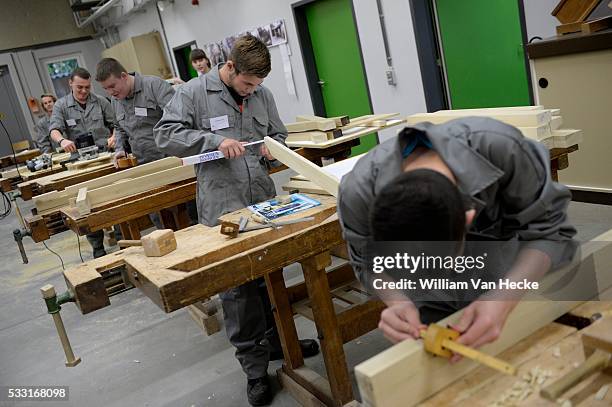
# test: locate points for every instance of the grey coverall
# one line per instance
(504, 175)
(43, 140)
(227, 185)
(72, 120)
(138, 114)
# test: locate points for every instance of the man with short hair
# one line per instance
(199, 61)
(222, 110)
(79, 113)
(138, 102)
(471, 179)
(43, 140)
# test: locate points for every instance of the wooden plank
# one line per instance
(349, 133)
(569, 28)
(306, 187)
(313, 136)
(135, 172)
(556, 122)
(597, 25)
(102, 158)
(569, 11)
(365, 120)
(405, 374)
(303, 166)
(340, 120)
(304, 397)
(536, 133)
(519, 118)
(140, 184)
(310, 125)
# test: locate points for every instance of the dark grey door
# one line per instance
(10, 114)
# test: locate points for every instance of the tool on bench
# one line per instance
(441, 342)
(232, 229)
(155, 244)
(597, 346)
(212, 155)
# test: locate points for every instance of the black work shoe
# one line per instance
(259, 392)
(99, 253)
(309, 347)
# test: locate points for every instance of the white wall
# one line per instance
(407, 97)
(213, 20)
(539, 21)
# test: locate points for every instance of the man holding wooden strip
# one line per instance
(138, 101)
(468, 179)
(223, 110)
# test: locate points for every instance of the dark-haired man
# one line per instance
(138, 102)
(222, 110)
(199, 61)
(81, 112)
(473, 177)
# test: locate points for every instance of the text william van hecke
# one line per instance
(448, 284)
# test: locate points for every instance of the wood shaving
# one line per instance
(527, 385)
(601, 394)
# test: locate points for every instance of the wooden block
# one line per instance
(305, 187)
(314, 136)
(340, 120)
(597, 25)
(536, 133)
(320, 125)
(569, 11)
(127, 162)
(38, 227)
(208, 323)
(566, 138)
(87, 287)
(518, 118)
(598, 336)
(569, 28)
(363, 120)
(159, 243)
(81, 203)
(556, 122)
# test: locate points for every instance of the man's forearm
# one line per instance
(56, 136)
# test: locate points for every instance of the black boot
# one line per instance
(259, 392)
(309, 347)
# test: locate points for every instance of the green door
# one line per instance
(483, 53)
(338, 59)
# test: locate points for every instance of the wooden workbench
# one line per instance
(206, 263)
(19, 158)
(555, 348)
(72, 175)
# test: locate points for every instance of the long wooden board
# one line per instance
(527, 118)
(57, 199)
(405, 375)
(307, 168)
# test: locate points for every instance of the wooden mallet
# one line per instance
(597, 346)
(442, 342)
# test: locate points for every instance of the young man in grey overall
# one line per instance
(222, 110)
(468, 179)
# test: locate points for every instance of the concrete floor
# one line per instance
(133, 353)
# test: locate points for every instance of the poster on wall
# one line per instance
(272, 34)
(278, 32)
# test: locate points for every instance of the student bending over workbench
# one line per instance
(466, 180)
